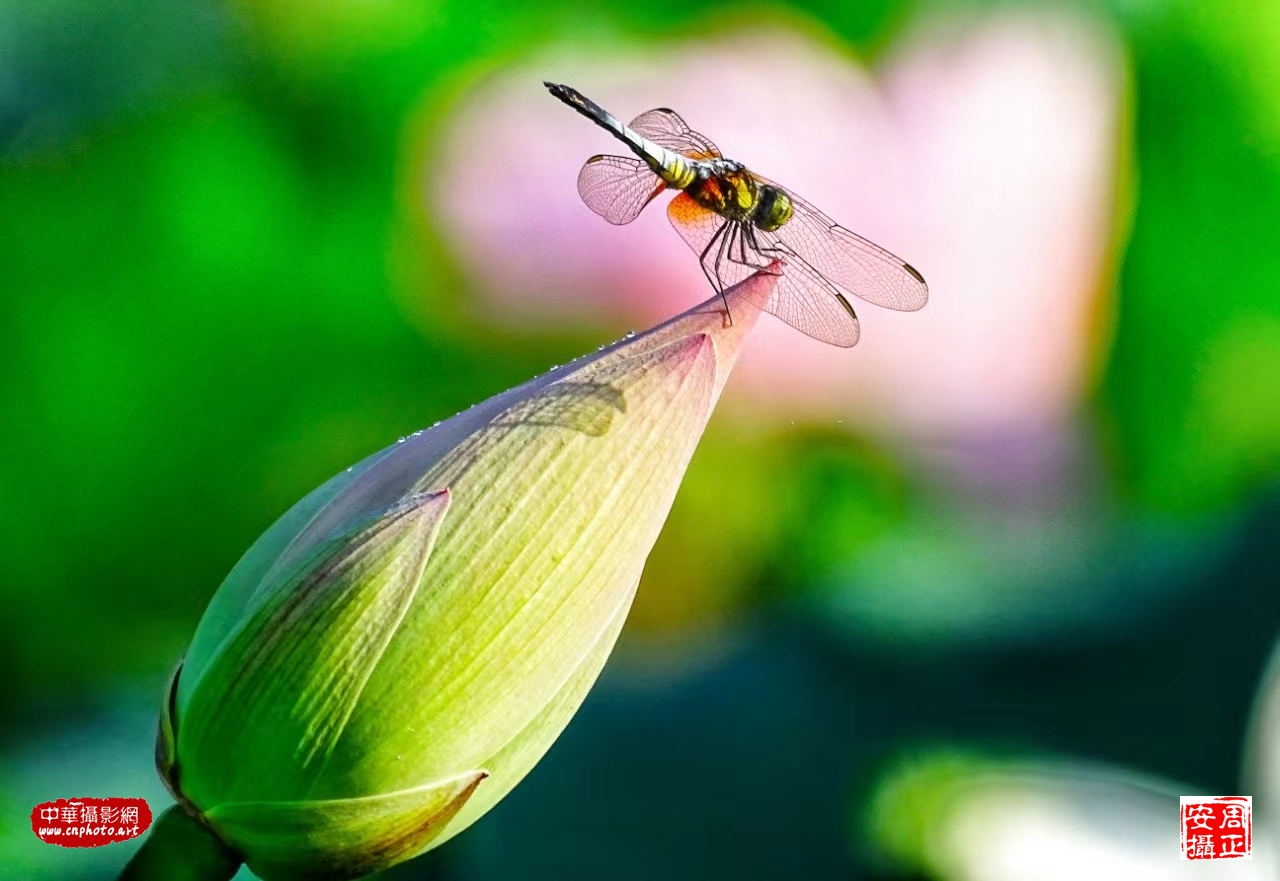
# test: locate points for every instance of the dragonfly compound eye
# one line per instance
(773, 210)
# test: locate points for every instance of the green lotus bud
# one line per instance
(400, 648)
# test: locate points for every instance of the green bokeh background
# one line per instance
(216, 290)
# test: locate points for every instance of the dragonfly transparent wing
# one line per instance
(730, 253)
(618, 187)
(707, 234)
(696, 225)
(802, 297)
(664, 126)
(862, 268)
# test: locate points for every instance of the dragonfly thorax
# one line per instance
(729, 189)
(726, 188)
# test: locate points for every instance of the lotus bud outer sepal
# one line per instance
(396, 652)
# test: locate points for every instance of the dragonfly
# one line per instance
(739, 222)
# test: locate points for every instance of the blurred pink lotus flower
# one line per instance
(983, 151)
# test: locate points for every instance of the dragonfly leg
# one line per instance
(726, 246)
(713, 273)
(741, 259)
(743, 237)
(747, 239)
(702, 258)
(763, 251)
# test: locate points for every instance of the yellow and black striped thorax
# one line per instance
(725, 187)
(730, 190)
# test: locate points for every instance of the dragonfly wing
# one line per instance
(802, 296)
(862, 268)
(696, 225)
(618, 187)
(664, 126)
(709, 235)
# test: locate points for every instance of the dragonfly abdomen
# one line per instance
(676, 171)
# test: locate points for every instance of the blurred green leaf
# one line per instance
(1198, 288)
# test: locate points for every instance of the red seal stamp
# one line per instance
(1217, 827)
(90, 822)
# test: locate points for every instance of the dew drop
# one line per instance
(400, 440)
(629, 335)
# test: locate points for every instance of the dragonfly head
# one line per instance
(773, 209)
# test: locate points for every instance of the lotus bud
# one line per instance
(402, 646)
